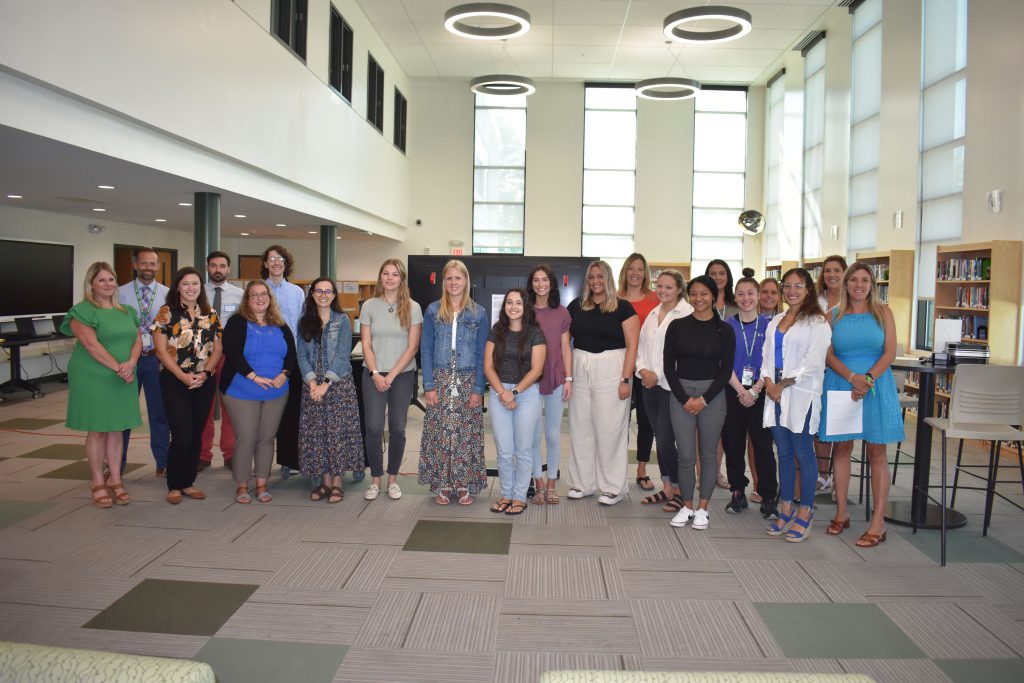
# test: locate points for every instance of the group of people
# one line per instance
(715, 369)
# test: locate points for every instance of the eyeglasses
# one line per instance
(260, 295)
(323, 292)
(275, 259)
(794, 285)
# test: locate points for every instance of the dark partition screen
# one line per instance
(36, 278)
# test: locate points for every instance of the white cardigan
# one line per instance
(650, 354)
(803, 358)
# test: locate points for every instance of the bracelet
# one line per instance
(569, 379)
(704, 400)
(850, 378)
(869, 378)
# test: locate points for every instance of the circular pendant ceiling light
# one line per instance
(487, 21)
(740, 20)
(502, 85)
(667, 88)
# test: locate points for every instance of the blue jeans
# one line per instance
(554, 408)
(793, 448)
(148, 372)
(513, 437)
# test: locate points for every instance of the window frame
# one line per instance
(481, 103)
(400, 120)
(340, 56)
(289, 24)
(375, 93)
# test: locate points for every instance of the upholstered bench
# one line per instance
(24, 663)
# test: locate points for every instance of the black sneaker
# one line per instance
(738, 502)
(769, 509)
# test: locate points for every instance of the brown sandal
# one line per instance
(121, 498)
(659, 497)
(501, 505)
(868, 540)
(337, 495)
(320, 493)
(552, 497)
(516, 508)
(835, 527)
(104, 501)
(673, 505)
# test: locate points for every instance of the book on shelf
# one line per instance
(972, 297)
(963, 269)
(880, 271)
(972, 326)
(883, 293)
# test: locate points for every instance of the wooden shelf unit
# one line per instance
(351, 292)
(775, 270)
(999, 279)
(814, 266)
(896, 288)
(656, 269)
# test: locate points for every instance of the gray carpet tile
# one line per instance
(680, 580)
(440, 572)
(896, 670)
(550, 576)
(35, 633)
(365, 665)
(647, 543)
(135, 643)
(360, 531)
(831, 582)
(254, 577)
(550, 549)
(200, 554)
(78, 517)
(372, 568)
(408, 507)
(998, 582)
(578, 513)
(307, 623)
(544, 607)
(759, 630)
(309, 596)
(13, 613)
(765, 547)
(696, 545)
(52, 546)
(593, 634)
(895, 549)
(706, 664)
(114, 557)
(73, 591)
(561, 536)
(997, 622)
(895, 582)
(945, 630)
(777, 581)
(191, 517)
(455, 622)
(387, 624)
(281, 527)
(824, 666)
(528, 666)
(63, 510)
(320, 567)
(696, 628)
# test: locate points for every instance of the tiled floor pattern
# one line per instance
(410, 591)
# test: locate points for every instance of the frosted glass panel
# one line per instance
(944, 113)
(868, 14)
(942, 172)
(610, 140)
(771, 234)
(864, 145)
(613, 220)
(812, 243)
(719, 142)
(498, 217)
(812, 212)
(613, 188)
(611, 98)
(864, 193)
(813, 167)
(942, 219)
(498, 185)
(926, 255)
(500, 137)
(607, 245)
(944, 35)
(502, 101)
(716, 223)
(726, 248)
(862, 232)
(814, 60)
(773, 186)
(866, 86)
(712, 190)
(814, 110)
(721, 100)
(498, 242)
(777, 91)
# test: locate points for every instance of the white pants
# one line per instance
(598, 423)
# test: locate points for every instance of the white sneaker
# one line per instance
(700, 519)
(576, 494)
(372, 492)
(609, 498)
(682, 517)
(394, 493)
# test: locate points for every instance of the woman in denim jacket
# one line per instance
(330, 439)
(451, 352)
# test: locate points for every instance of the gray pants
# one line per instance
(704, 428)
(255, 424)
(397, 400)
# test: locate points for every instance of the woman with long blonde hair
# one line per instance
(390, 325)
(452, 352)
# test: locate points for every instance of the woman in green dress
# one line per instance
(103, 391)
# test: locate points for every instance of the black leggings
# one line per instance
(644, 431)
(739, 422)
(186, 411)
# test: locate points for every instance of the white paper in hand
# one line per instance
(845, 416)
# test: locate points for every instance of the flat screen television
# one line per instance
(36, 278)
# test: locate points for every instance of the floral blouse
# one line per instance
(192, 339)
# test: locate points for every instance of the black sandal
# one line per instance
(674, 505)
(658, 497)
(645, 483)
(501, 505)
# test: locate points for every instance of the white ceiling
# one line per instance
(591, 40)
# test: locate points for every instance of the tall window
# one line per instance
(773, 180)
(375, 94)
(609, 172)
(814, 146)
(865, 105)
(340, 66)
(719, 160)
(401, 116)
(288, 21)
(499, 174)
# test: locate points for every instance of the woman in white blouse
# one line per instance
(793, 369)
(670, 288)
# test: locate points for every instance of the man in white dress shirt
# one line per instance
(225, 298)
(147, 296)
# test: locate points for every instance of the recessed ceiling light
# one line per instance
(338, 237)
(99, 210)
(105, 187)
(244, 234)
(314, 232)
(239, 215)
(15, 196)
(184, 204)
(160, 220)
(281, 225)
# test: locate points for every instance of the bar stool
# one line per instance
(987, 404)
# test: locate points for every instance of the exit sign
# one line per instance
(456, 251)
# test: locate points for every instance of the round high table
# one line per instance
(927, 514)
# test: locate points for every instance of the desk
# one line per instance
(928, 515)
(14, 348)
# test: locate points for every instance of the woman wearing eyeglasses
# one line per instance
(330, 438)
(259, 358)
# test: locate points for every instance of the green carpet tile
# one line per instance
(80, 471)
(58, 451)
(190, 608)
(460, 537)
(836, 631)
(962, 545)
(244, 661)
(987, 670)
(13, 511)
(30, 423)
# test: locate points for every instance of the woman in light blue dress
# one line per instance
(863, 346)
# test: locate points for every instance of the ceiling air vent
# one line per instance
(809, 41)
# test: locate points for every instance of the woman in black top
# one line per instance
(605, 331)
(698, 356)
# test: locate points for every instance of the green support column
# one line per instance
(329, 251)
(207, 226)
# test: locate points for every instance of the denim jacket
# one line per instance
(470, 338)
(337, 339)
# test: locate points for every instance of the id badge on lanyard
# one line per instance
(748, 376)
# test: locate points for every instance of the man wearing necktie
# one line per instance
(147, 296)
(225, 299)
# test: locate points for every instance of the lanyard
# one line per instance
(138, 297)
(749, 348)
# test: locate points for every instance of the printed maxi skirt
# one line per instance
(330, 438)
(452, 447)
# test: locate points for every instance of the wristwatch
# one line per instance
(568, 379)
(625, 380)
(515, 392)
(373, 372)
(208, 374)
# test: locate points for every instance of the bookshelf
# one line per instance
(894, 272)
(775, 270)
(351, 293)
(979, 284)
(813, 266)
(656, 269)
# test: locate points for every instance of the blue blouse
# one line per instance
(265, 349)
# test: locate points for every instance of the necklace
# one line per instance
(391, 305)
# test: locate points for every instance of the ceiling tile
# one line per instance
(770, 38)
(585, 34)
(462, 69)
(575, 71)
(798, 17)
(398, 34)
(746, 74)
(584, 54)
(631, 54)
(384, 11)
(528, 53)
(702, 56)
(644, 35)
(590, 12)
(761, 58)
(469, 53)
(425, 69)
(409, 53)
(535, 69)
